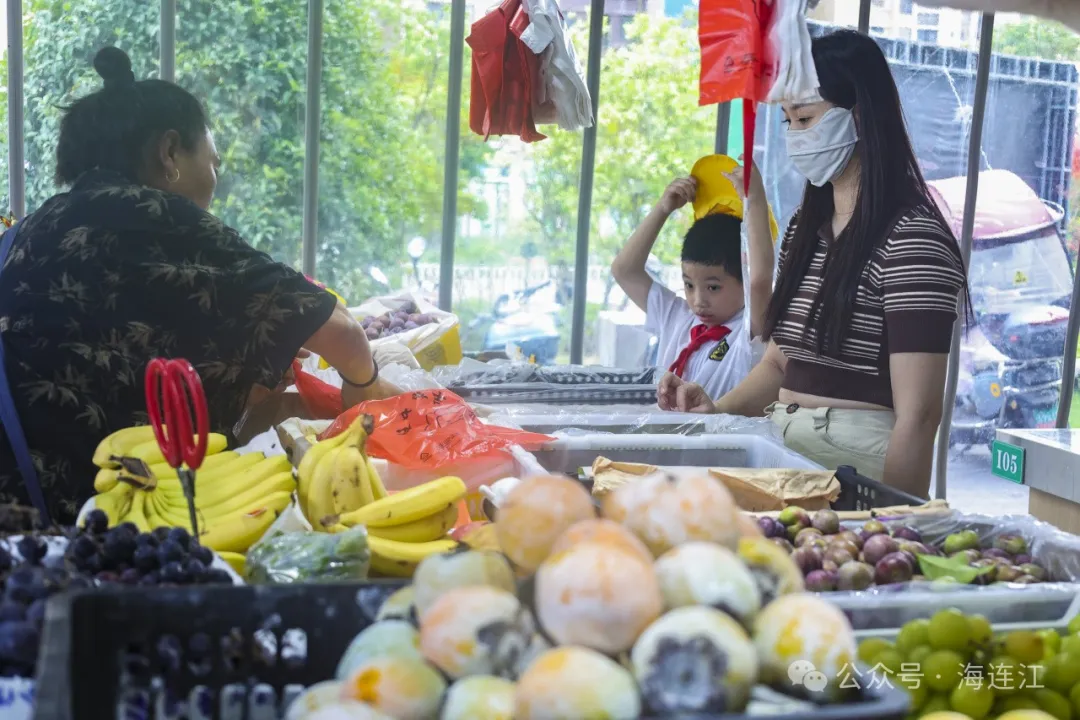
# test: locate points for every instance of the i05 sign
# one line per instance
(1007, 462)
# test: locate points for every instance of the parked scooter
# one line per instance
(1021, 284)
(525, 320)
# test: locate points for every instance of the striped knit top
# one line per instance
(906, 303)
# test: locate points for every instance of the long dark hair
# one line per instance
(853, 74)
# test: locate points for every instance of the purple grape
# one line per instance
(36, 612)
(181, 537)
(128, 527)
(119, 546)
(203, 554)
(146, 559)
(174, 573)
(195, 570)
(32, 549)
(11, 610)
(19, 642)
(217, 576)
(131, 576)
(107, 576)
(150, 578)
(169, 552)
(83, 546)
(97, 521)
(147, 540)
(5, 560)
(161, 534)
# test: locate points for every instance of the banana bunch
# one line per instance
(335, 476)
(237, 497)
(139, 443)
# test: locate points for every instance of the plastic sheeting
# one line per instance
(888, 607)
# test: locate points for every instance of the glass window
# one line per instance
(1036, 148)
(877, 30)
(60, 40)
(928, 36)
(384, 92)
(928, 19)
(906, 7)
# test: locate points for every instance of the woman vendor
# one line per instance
(861, 319)
(128, 265)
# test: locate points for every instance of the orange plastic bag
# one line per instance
(737, 58)
(431, 429)
(322, 400)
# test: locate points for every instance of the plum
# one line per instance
(1034, 570)
(821, 581)
(839, 555)
(844, 544)
(806, 535)
(906, 532)
(794, 515)
(808, 559)
(829, 566)
(854, 576)
(968, 555)
(827, 521)
(1021, 559)
(1008, 573)
(784, 544)
(372, 334)
(893, 568)
(410, 326)
(963, 540)
(989, 576)
(877, 547)
(996, 553)
(1012, 544)
(424, 319)
(771, 527)
(1026, 580)
(874, 527)
(850, 536)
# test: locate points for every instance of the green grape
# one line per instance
(1074, 626)
(889, 659)
(1016, 702)
(1074, 696)
(973, 700)
(1024, 645)
(981, 632)
(913, 635)
(949, 630)
(1054, 704)
(936, 703)
(942, 670)
(1060, 674)
(918, 691)
(871, 648)
(1071, 646)
(1005, 675)
(918, 655)
(1051, 640)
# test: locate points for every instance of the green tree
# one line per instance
(1036, 38)
(384, 100)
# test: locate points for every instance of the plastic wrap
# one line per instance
(890, 606)
(470, 372)
(562, 421)
(309, 557)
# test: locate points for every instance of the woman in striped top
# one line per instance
(860, 323)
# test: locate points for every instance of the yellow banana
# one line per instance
(350, 488)
(115, 503)
(118, 444)
(407, 505)
(224, 487)
(305, 472)
(399, 559)
(137, 514)
(320, 498)
(210, 462)
(237, 561)
(432, 527)
(106, 479)
(378, 490)
(213, 478)
(150, 453)
(237, 533)
(280, 483)
(276, 501)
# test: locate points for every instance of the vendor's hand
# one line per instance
(677, 194)
(675, 394)
(757, 185)
(382, 389)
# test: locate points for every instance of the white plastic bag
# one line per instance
(796, 76)
(564, 80)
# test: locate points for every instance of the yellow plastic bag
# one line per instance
(716, 194)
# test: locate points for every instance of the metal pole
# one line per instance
(864, 17)
(982, 82)
(168, 40)
(723, 127)
(585, 186)
(16, 151)
(312, 127)
(458, 10)
(1068, 362)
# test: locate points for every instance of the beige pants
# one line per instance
(832, 437)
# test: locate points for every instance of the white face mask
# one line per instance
(822, 152)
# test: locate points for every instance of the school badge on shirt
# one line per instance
(719, 351)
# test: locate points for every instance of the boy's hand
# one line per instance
(757, 185)
(677, 194)
(674, 393)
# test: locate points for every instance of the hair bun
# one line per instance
(114, 67)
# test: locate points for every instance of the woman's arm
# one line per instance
(628, 269)
(759, 389)
(342, 342)
(760, 257)
(918, 385)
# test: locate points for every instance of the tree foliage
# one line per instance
(1036, 38)
(383, 114)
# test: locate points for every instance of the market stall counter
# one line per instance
(1048, 462)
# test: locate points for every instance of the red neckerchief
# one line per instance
(699, 335)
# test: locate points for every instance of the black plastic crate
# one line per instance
(96, 639)
(862, 493)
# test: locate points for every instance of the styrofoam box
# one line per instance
(567, 454)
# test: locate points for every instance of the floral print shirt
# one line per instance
(110, 275)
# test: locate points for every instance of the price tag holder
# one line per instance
(1007, 462)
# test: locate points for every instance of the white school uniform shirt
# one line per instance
(715, 367)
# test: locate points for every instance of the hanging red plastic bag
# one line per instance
(737, 58)
(431, 429)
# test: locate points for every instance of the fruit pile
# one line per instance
(670, 604)
(953, 662)
(237, 496)
(164, 556)
(407, 318)
(27, 585)
(340, 489)
(832, 558)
